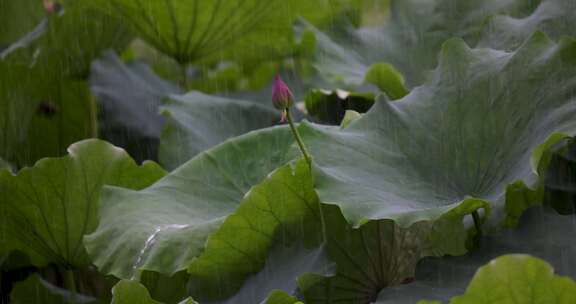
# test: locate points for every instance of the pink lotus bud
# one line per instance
(282, 97)
(49, 6)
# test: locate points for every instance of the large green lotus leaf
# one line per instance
(79, 36)
(279, 215)
(468, 132)
(518, 279)
(130, 95)
(541, 232)
(196, 122)
(126, 292)
(281, 297)
(165, 226)
(239, 247)
(18, 18)
(165, 288)
(193, 30)
(5, 165)
(244, 244)
(387, 79)
(257, 242)
(35, 290)
(41, 116)
(48, 208)
(283, 267)
(65, 43)
(132, 292)
(411, 39)
(554, 17)
(44, 106)
(369, 258)
(348, 247)
(224, 75)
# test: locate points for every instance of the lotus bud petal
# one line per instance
(282, 97)
(49, 6)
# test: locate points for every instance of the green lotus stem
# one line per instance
(69, 281)
(298, 138)
(477, 225)
(283, 100)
